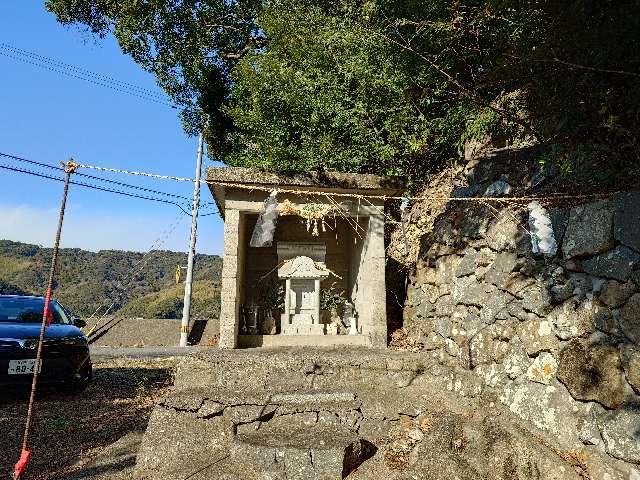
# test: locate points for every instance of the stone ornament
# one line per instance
(302, 296)
(303, 267)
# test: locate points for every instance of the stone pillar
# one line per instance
(375, 285)
(231, 293)
(287, 299)
(316, 295)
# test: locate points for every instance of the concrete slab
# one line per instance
(273, 341)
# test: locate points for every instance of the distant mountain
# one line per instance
(140, 285)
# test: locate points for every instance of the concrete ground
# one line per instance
(143, 332)
(115, 462)
(108, 353)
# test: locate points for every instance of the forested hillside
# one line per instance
(140, 285)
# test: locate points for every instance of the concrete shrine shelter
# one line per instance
(304, 257)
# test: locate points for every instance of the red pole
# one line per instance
(25, 455)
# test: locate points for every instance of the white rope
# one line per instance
(526, 198)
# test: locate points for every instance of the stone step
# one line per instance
(300, 453)
(249, 410)
(279, 369)
(313, 401)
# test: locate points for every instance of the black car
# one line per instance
(65, 352)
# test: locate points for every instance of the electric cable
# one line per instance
(93, 177)
(60, 64)
(95, 187)
(86, 79)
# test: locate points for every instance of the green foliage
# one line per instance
(189, 45)
(329, 92)
(168, 303)
(333, 298)
(88, 280)
(270, 293)
(390, 87)
(7, 288)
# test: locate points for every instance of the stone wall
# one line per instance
(355, 414)
(554, 337)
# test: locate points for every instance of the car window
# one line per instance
(28, 310)
(66, 312)
(60, 315)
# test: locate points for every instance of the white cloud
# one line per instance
(103, 231)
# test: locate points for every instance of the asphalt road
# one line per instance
(108, 353)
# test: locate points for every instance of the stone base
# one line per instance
(271, 341)
(330, 414)
(316, 452)
(302, 329)
(331, 329)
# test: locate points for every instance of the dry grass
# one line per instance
(403, 439)
(401, 340)
(212, 341)
(71, 429)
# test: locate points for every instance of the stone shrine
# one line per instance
(298, 248)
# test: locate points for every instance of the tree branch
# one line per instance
(576, 65)
(255, 42)
(467, 92)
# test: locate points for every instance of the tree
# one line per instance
(389, 86)
(189, 45)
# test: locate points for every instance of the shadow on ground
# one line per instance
(71, 432)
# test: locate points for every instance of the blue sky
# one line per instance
(49, 117)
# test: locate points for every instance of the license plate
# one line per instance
(22, 367)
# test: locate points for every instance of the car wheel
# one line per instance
(77, 385)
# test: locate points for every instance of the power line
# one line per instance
(80, 70)
(102, 83)
(32, 162)
(95, 187)
(204, 205)
(136, 268)
(93, 177)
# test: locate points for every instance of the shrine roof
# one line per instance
(303, 267)
(222, 178)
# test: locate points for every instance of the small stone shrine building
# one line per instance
(318, 278)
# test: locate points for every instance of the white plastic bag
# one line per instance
(265, 228)
(541, 229)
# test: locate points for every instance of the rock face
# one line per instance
(568, 353)
(591, 371)
(630, 356)
(627, 220)
(589, 230)
(614, 294)
(618, 263)
(620, 434)
(543, 369)
(455, 447)
(538, 336)
(630, 319)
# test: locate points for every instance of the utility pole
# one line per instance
(186, 309)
